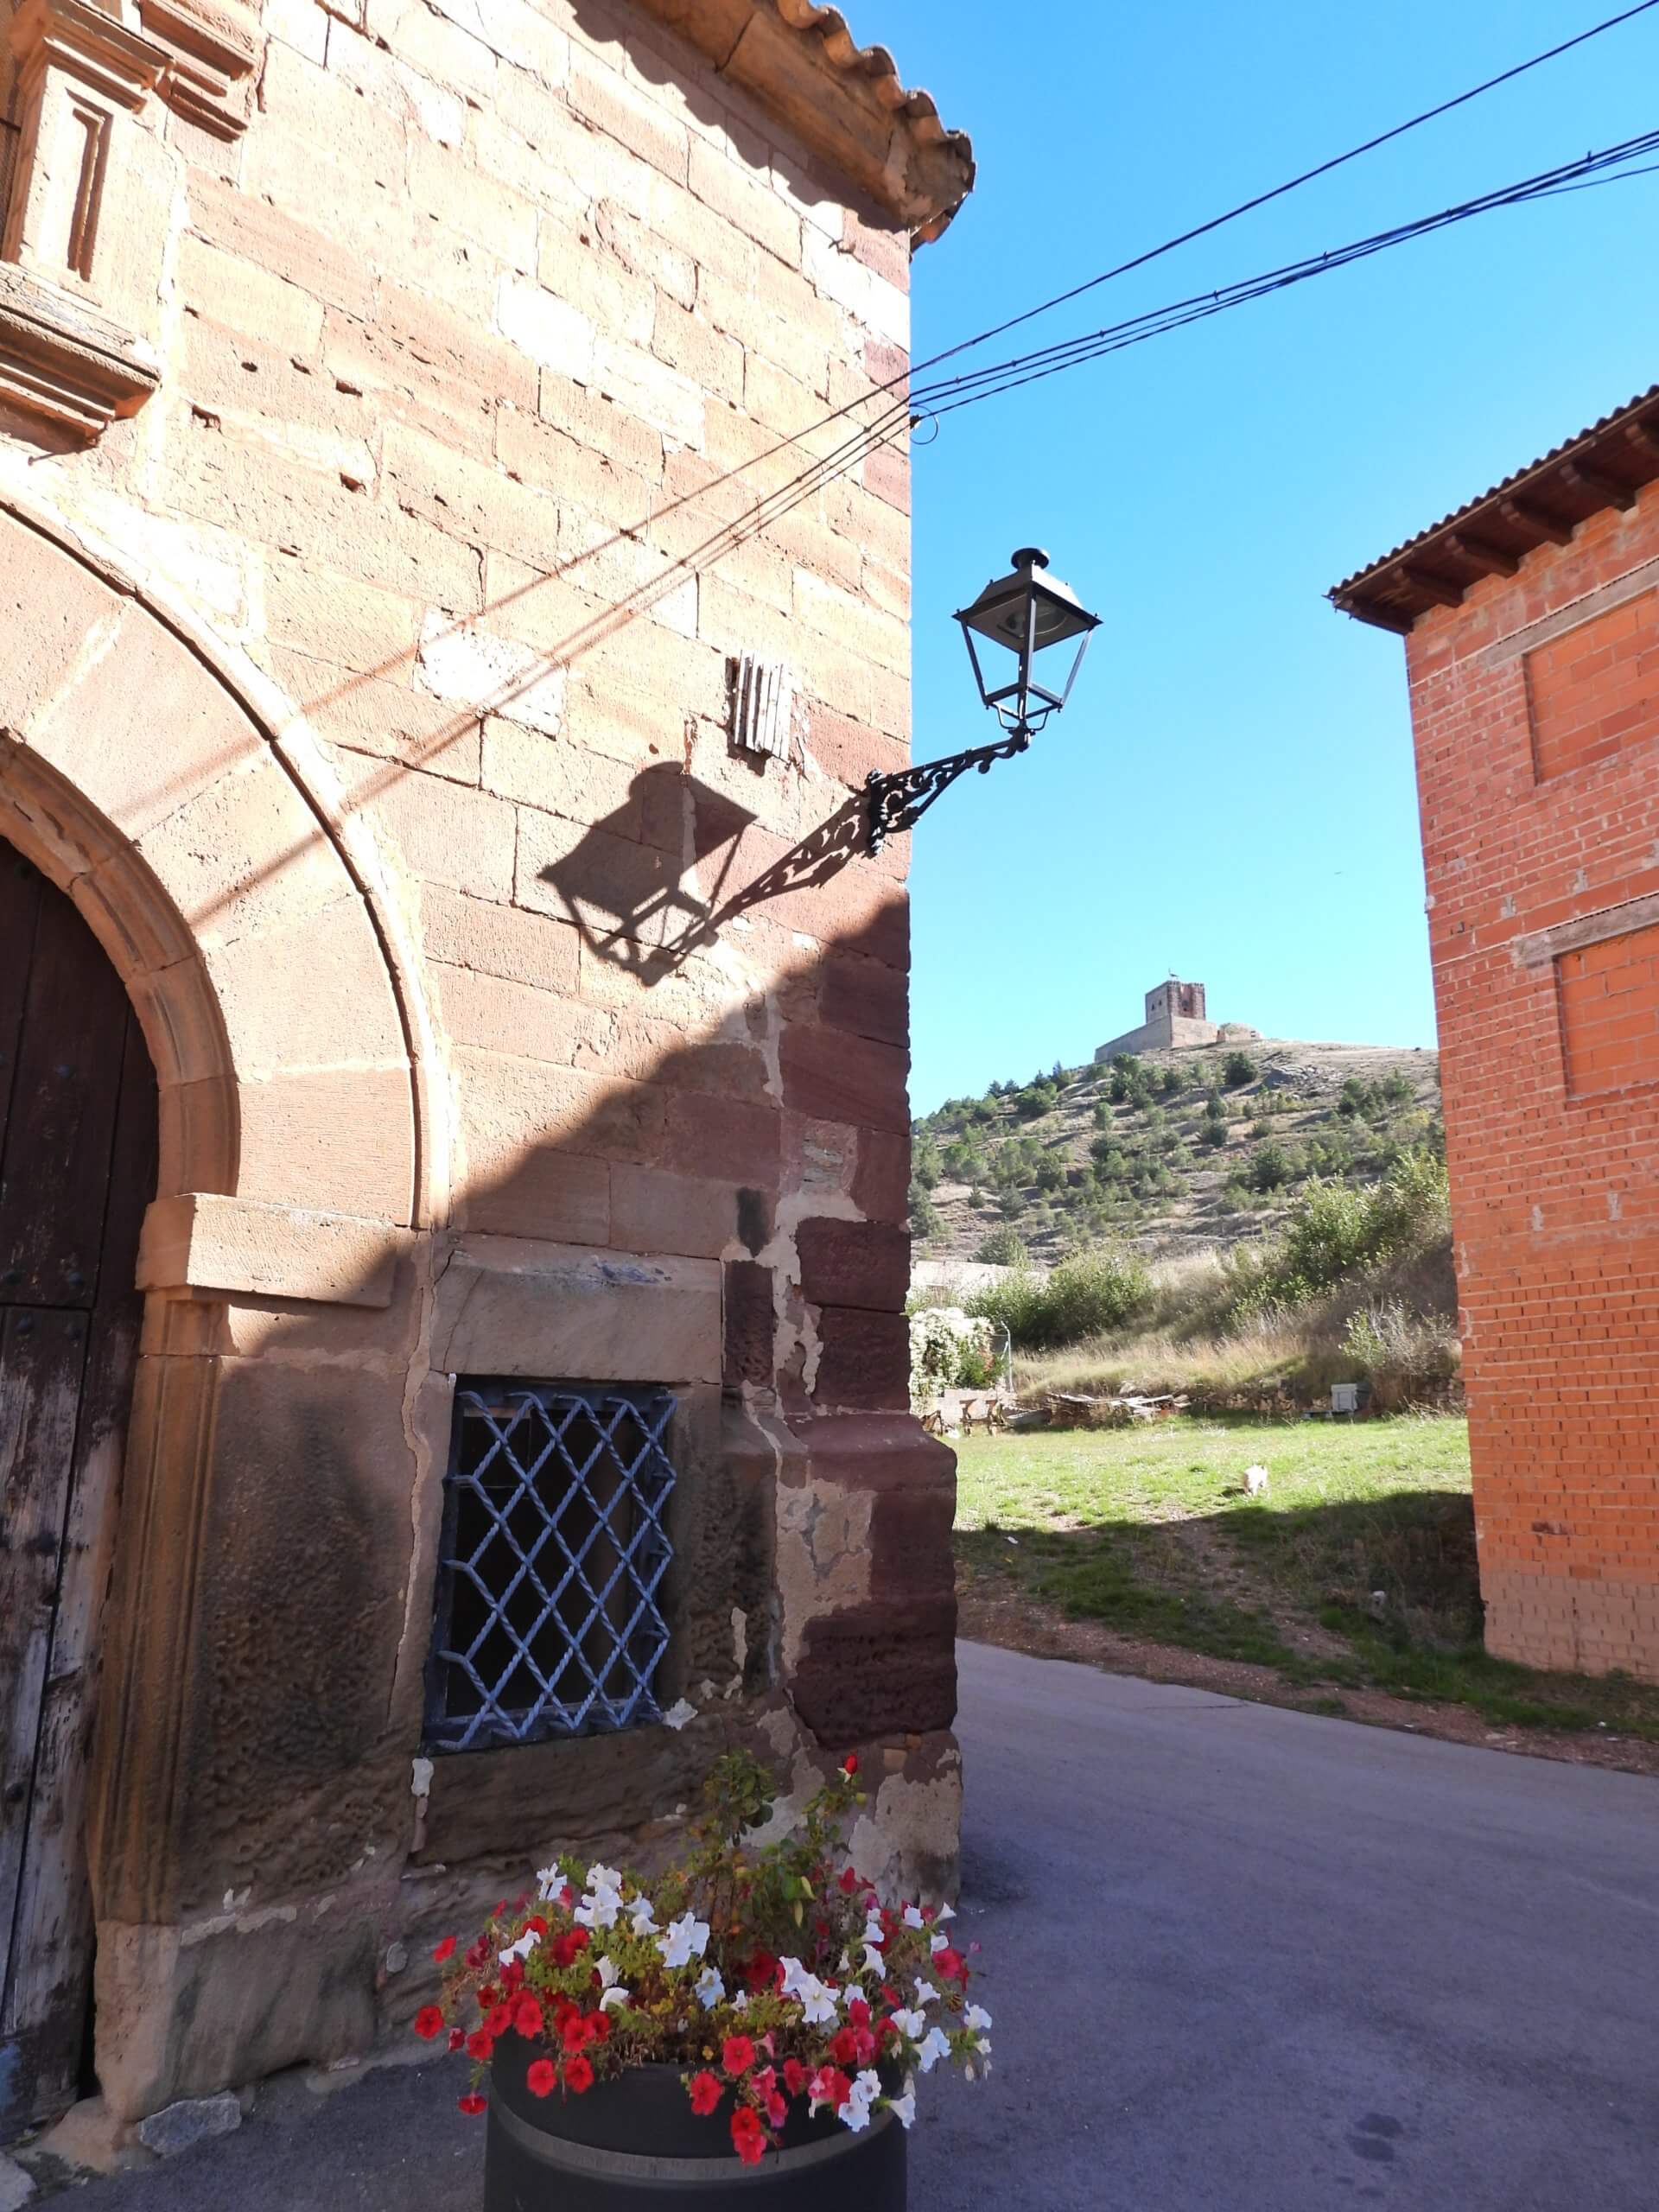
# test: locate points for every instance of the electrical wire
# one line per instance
(1292, 184)
(946, 396)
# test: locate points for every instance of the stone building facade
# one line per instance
(482, 1040)
(1531, 621)
(1176, 1021)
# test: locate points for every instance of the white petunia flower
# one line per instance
(977, 2018)
(740, 2002)
(913, 1917)
(926, 1992)
(522, 1949)
(549, 1882)
(911, 2023)
(937, 2046)
(983, 2046)
(844, 1964)
(874, 1931)
(795, 1974)
(945, 1912)
(710, 1988)
(818, 2004)
(903, 2110)
(604, 1877)
(873, 1961)
(686, 1938)
(940, 1944)
(606, 1969)
(642, 1920)
(855, 2113)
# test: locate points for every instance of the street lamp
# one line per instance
(1026, 614)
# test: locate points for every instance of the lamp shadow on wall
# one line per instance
(626, 884)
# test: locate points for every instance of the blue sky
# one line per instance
(1230, 792)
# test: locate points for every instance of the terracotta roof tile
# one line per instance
(1603, 465)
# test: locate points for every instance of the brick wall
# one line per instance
(1538, 765)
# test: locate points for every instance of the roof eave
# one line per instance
(1605, 466)
(844, 102)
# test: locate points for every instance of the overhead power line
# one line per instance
(1291, 184)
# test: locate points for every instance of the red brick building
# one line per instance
(1531, 618)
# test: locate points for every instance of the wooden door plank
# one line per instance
(54, 1918)
(41, 1360)
(54, 1173)
(20, 906)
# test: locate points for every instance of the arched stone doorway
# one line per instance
(76, 1169)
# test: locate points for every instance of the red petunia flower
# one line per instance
(428, 2021)
(481, 2046)
(951, 1964)
(527, 2017)
(445, 1951)
(795, 2076)
(737, 2055)
(578, 2075)
(597, 2027)
(776, 2109)
(488, 1997)
(457, 2039)
(850, 1764)
(706, 2093)
(858, 2013)
(573, 2032)
(542, 2078)
(536, 1925)
(843, 2047)
(847, 1881)
(499, 2021)
(748, 2135)
(472, 2105)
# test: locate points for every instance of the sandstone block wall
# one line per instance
(1536, 711)
(473, 961)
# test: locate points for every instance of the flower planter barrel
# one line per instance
(635, 2144)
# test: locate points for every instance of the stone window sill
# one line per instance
(62, 359)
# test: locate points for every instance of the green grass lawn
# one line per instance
(1356, 1570)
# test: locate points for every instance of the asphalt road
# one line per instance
(1239, 1961)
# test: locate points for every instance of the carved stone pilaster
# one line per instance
(213, 50)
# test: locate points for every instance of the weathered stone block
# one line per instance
(867, 997)
(193, 2120)
(860, 1264)
(654, 1211)
(863, 1359)
(507, 1306)
(751, 1326)
(838, 1077)
(724, 1137)
(881, 1179)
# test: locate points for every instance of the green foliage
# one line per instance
(925, 1163)
(1098, 1290)
(1039, 1097)
(1271, 1167)
(1171, 1082)
(926, 1219)
(1334, 1233)
(1050, 1173)
(1238, 1069)
(1003, 1248)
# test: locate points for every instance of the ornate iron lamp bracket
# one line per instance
(897, 803)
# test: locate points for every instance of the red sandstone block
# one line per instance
(854, 1263)
(881, 1179)
(726, 1138)
(749, 1324)
(864, 1359)
(837, 1077)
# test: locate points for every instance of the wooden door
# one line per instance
(77, 1169)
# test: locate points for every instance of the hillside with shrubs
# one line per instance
(1244, 1226)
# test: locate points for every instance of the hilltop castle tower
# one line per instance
(1176, 1020)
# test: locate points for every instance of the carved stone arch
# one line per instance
(158, 778)
(153, 774)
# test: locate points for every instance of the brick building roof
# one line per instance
(845, 100)
(1604, 466)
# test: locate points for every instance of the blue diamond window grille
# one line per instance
(551, 1559)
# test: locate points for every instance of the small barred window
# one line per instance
(551, 1558)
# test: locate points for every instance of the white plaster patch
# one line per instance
(464, 665)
